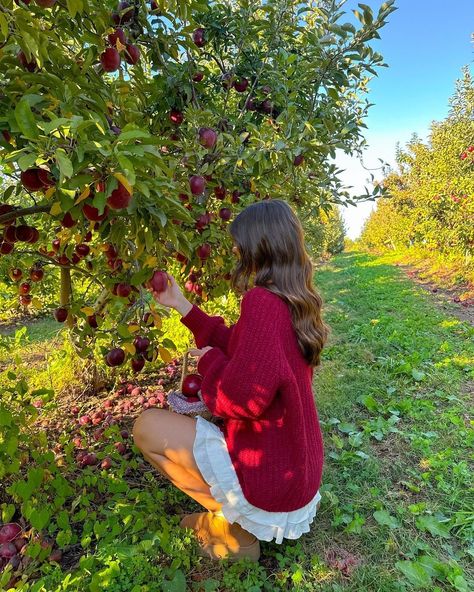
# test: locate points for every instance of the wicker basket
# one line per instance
(179, 403)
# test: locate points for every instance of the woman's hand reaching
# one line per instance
(199, 352)
(172, 297)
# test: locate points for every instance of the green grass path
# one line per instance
(394, 394)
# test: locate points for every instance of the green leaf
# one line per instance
(347, 428)
(417, 375)
(434, 526)
(74, 6)
(27, 161)
(26, 120)
(40, 518)
(64, 164)
(177, 584)
(415, 573)
(385, 519)
(133, 135)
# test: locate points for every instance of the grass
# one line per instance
(394, 395)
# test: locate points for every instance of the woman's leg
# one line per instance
(166, 440)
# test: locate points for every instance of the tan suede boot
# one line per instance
(220, 540)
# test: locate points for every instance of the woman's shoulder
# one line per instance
(260, 294)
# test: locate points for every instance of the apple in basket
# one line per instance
(191, 386)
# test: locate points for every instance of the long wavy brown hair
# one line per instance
(271, 250)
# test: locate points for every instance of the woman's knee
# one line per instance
(145, 427)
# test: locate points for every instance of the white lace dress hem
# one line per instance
(214, 462)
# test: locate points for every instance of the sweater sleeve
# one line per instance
(207, 329)
(243, 386)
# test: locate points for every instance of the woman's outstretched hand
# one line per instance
(172, 296)
(199, 352)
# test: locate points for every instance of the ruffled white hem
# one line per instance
(214, 462)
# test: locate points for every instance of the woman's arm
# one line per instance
(243, 386)
(207, 329)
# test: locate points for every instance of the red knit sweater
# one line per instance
(256, 378)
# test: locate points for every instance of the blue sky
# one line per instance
(425, 43)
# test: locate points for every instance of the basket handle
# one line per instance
(184, 369)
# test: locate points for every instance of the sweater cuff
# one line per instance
(208, 359)
(195, 319)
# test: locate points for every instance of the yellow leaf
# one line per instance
(219, 261)
(157, 321)
(129, 348)
(87, 310)
(122, 179)
(165, 355)
(55, 209)
(36, 303)
(133, 328)
(51, 191)
(151, 261)
(253, 187)
(78, 238)
(120, 46)
(84, 195)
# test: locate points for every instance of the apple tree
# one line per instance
(132, 133)
(432, 192)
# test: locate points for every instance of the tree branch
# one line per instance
(14, 214)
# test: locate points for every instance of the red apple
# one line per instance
(25, 299)
(115, 357)
(82, 250)
(119, 198)
(241, 84)
(9, 234)
(34, 235)
(220, 192)
(45, 178)
(6, 248)
(199, 37)
(126, 12)
(299, 159)
(30, 180)
(181, 258)
(106, 463)
(176, 117)
(191, 385)
(141, 344)
(225, 213)
(132, 54)
(92, 213)
(89, 459)
(60, 314)
(197, 184)
(117, 35)
(84, 420)
(30, 66)
(36, 274)
(158, 282)
(45, 3)
(137, 364)
(56, 244)
(203, 251)
(235, 197)
(16, 274)
(110, 59)
(203, 220)
(198, 76)
(9, 531)
(68, 221)
(92, 321)
(25, 288)
(123, 290)
(207, 137)
(7, 550)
